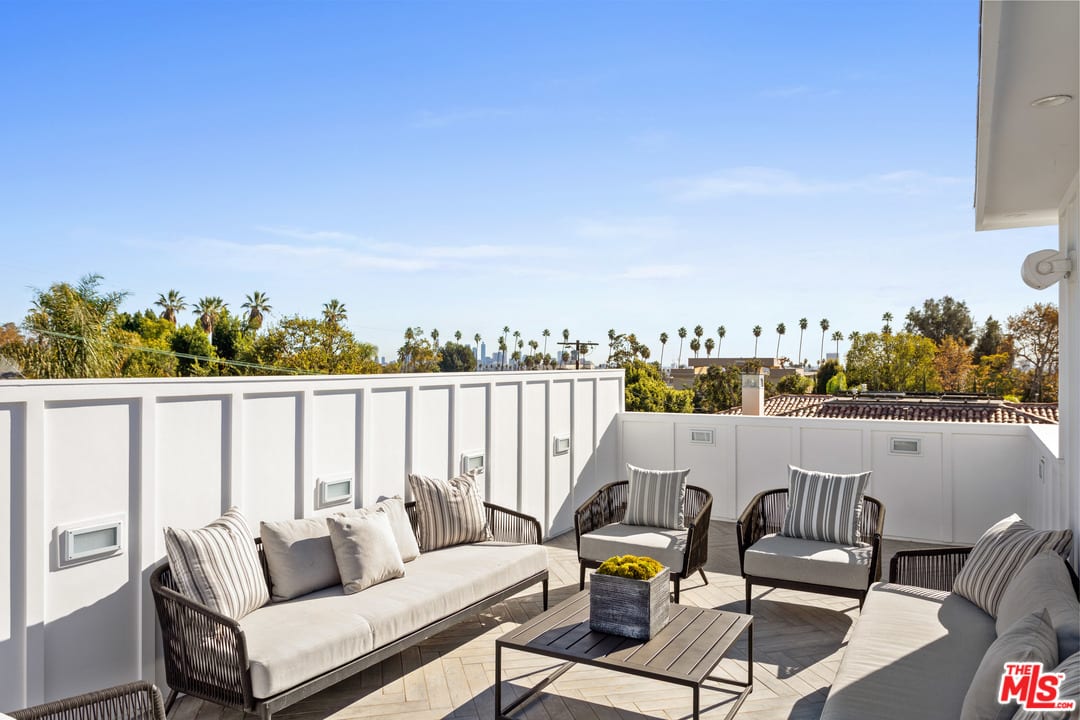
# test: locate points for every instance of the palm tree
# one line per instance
(502, 352)
(457, 336)
(709, 345)
(610, 343)
(435, 338)
(698, 332)
(838, 336)
(663, 344)
(757, 334)
(803, 324)
(209, 309)
(824, 327)
(533, 345)
(334, 312)
(506, 331)
(170, 304)
(695, 345)
(546, 334)
(720, 333)
(257, 303)
(566, 335)
(476, 339)
(517, 342)
(887, 318)
(780, 330)
(853, 335)
(682, 336)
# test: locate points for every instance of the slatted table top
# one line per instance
(685, 651)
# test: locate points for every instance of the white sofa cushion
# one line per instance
(442, 582)
(912, 653)
(1044, 582)
(294, 641)
(666, 546)
(365, 550)
(394, 509)
(809, 561)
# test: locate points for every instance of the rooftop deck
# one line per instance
(799, 640)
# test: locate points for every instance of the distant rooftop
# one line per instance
(900, 407)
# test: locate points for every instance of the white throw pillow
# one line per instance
(365, 550)
(999, 555)
(300, 557)
(1043, 582)
(218, 565)
(655, 498)
(1030, 639)
(394, 509)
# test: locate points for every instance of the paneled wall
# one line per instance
(963, 478)
(177, 452)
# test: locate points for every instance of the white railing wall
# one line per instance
(177, 452)
(965, 477)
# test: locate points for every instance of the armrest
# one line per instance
(697, 540)
(124, 702)
(756, 519)
(205, 652)
(599, 510)
(512, 526)
(934, 569)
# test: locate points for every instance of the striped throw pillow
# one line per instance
(218, 565)
(1000, 554)
(449, 512)
(823, 506)
(655, 497)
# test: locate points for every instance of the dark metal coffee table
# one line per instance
(685, 652)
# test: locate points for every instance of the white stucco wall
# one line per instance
(178, 452)
(1069, 363)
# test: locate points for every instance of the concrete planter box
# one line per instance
(632, 608)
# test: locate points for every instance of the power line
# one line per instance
(185, 356)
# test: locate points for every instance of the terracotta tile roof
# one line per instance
(926, 409)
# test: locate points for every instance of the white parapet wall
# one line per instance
(940, 482)
(156, 453)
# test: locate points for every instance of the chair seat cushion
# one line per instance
(809, 561)
(913, 654)
(666, 546)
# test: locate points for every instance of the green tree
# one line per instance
(695, 345)
(953, 365)
(682, 336)
(709, 346)
(647, 392)
(69, 329)
(435, 338)
(991, 340)
(1034, 334)
(171, 303)
(837, 336)
(149, 337)
(457, 336)
(230, 342)
(803, 324)
(900, 362)
(837, 384)
(257, 304)
(794, 384)
(334, 312)
(886, 319)
(942, 318)
(717, 389)
(208, 309)
(455, 357)
(826, 372)
(308, 345)
(995, 375)
(191, 341)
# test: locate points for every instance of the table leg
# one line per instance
(498, 680)
(750, 656)
(697, 701)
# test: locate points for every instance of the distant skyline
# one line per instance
(464, 166)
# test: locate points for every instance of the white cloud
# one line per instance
(773, 182)
(309, 235)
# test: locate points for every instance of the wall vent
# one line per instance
(905, 446)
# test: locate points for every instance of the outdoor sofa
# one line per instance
(919, 649)
(286, 651)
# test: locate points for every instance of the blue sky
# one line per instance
(464, 166)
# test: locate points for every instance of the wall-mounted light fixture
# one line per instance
(91, 540)
(560, 445)
(472, 460)
(702, 436)
(1043, 268)
(905, 446)
(335, 490)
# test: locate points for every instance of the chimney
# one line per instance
(753, 394)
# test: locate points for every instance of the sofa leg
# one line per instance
(264, 713)
(545, 584)
(581, 578)
(862, 599)
(747, 597)
(676, 589)
(703, 578)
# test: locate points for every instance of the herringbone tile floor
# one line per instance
(799, 639)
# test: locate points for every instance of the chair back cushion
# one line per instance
(1000, 554)
(655, 497)
(450, 512)
(824, 506)
(218, 565)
